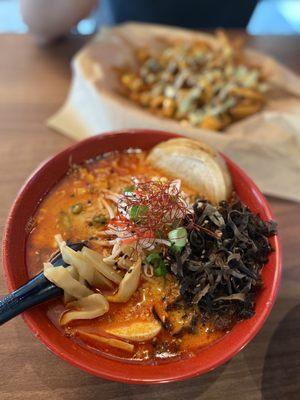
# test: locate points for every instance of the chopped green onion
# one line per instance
(65, 221)
(137, 212)
(129, 189)
(175, 249)
(161, 269)
(178, 237)
(176, 223)
(77, 208)
(100, 220)
(159, 233)
(153, 258)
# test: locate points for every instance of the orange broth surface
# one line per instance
(82, 185)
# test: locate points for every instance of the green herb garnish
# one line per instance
(176, 223)
(100, 220)
(77, 208)
(153, 258)
(129, 189)
(175, 249)
(137, 212)
(159, 234)
(160, 268)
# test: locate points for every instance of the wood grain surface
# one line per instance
(33, 84)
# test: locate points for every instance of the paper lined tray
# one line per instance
(266, 145)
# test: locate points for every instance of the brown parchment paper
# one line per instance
(266, 145)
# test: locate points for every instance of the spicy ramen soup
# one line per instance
(143, 286)
(73, 208)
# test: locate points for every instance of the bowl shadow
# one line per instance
(281, 369)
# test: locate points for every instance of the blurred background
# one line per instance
(269, 17)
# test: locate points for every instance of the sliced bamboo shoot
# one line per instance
(81, 263)
(137, 331)
(97, 262)
(119, 344)
(63, 278)
(128, 285)
(89, 307)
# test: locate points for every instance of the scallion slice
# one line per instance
(160, 268)
(137, 212)
(129, 189)
(178, 237)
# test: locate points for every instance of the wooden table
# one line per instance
(33, 84)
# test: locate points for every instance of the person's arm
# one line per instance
(47, 20)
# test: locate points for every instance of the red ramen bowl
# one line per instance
(14, 248)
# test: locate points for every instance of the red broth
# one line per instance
(82, 185)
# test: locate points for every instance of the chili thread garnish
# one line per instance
(151, 207)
